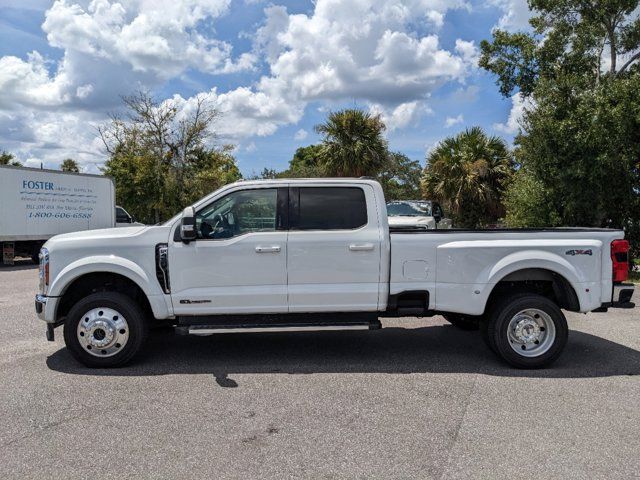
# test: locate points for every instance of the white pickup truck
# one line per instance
(307, 255)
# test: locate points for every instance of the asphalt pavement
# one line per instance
(417, 399)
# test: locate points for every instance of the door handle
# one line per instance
(268, 249)
(361, 247)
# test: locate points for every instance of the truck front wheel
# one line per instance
(527, 330)
(105, 329)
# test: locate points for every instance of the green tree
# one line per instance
(134, 172)
(526, 200)
(210, 170)
(571, 40)
(162, 159)
(69, 165)
(400, 177)
(7, 158)
(267, 174)
(353, 144)
(303, 164)
(580, 138)
(586, 152)
(468, 173)
(306, 163)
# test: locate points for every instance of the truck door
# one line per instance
(238, 262)
(333, 249)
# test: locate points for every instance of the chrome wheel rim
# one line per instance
(531, 332)
(103, 332)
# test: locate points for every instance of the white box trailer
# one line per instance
(36, 204)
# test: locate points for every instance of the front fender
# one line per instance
(113, 264)
(110, 264)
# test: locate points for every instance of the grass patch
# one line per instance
(634, 277)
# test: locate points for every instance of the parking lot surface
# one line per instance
(417, 399)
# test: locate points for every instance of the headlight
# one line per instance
(43, 256)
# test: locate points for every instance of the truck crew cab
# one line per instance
(301, 255)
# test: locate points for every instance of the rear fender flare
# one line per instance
(533, 259)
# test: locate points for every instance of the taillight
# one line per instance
(620, 259)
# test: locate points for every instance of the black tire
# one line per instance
(128, 308)
(497, 330)
(484, 331)
(463, 322)
(35, 258)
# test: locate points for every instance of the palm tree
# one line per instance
(468, 173)
(353, 143)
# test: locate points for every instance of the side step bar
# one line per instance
(203, 330)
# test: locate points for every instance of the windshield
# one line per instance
(409, 209)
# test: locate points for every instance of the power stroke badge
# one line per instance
(578, 252)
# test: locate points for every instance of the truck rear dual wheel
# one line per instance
(526, 330)
(105, 329)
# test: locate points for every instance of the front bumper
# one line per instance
(46, 308)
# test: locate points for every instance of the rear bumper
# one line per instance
(622, 293)
(46, 308)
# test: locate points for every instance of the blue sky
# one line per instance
(273, 69)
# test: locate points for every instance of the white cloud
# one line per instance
(110, 49)
(402, 115)
(516, 15)
(251, 147)
(366, 49)
(50, 137)
(159, 36)
(48, 109)
(301, 134)
(327, 55)
(27, 83)
(465, 95)
(451, 121)
(468, 51)
(246, 113)
(518, 107)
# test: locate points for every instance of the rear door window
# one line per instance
(327, 208)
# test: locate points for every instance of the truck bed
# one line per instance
(459, 268)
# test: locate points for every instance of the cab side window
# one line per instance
(238, 213)
(328, 208)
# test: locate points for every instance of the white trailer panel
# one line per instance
(38, 204)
